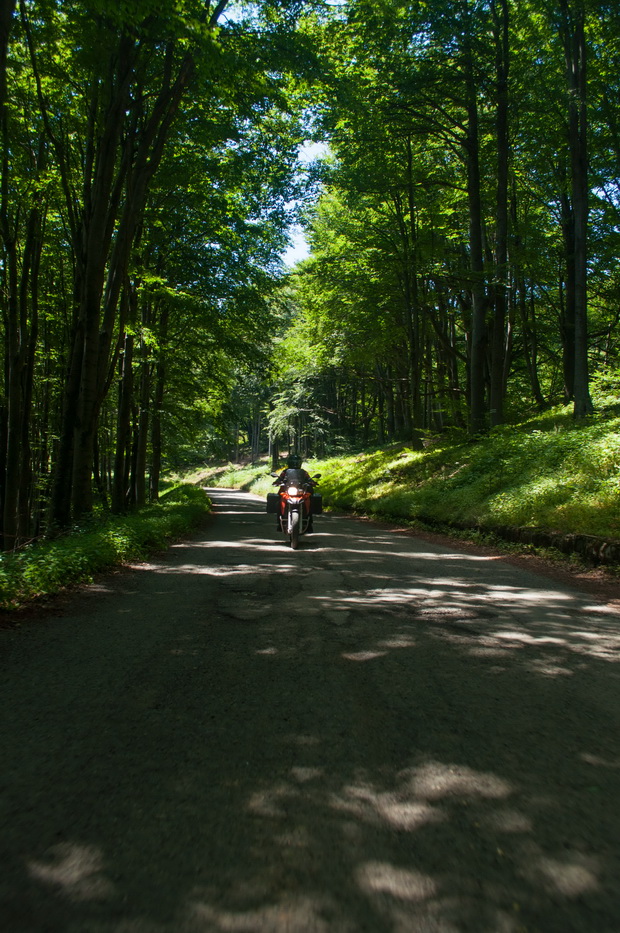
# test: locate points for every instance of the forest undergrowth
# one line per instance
(547, 473)
(45, 568)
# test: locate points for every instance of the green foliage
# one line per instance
(177, 141)
(46, 568)
(386, 297)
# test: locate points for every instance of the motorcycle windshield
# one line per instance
(294, 478)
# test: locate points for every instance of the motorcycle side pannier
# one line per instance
(316, 505)
(273, 503)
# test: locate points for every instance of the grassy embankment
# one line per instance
(48, 567)
(547, 473)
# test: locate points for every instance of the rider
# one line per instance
(298, 476)
(293, 475)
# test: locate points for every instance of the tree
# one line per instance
(460, 132)
(99, 121)
(572, 33)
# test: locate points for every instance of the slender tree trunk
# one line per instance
(573, 36)
(275, 454)
(60, 505)
(8, 460)
(498, 348)
(456, 394)
(123, 427)
(14, 404)
(477, 412)
(579, 160)
(29, 311)
(380, 403)
(530, 332)
(160, 384)
(21, 323)
(566, 295)
(416, 364)
(142, 427)
(7, 9)
(409, 313)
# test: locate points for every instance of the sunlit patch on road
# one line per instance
(363, 655)
(435, 780)
(383, 877)
(289, 916)
(572, 876)
(76, 871)
(399, 809)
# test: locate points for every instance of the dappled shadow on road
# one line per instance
(364, 735)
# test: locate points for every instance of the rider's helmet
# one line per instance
(294, 462)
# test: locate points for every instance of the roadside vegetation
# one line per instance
(45, 568)
(547, 473)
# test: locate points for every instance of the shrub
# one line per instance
(47, 567)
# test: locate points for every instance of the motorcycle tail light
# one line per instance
(293, 491)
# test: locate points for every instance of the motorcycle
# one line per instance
(295, 504)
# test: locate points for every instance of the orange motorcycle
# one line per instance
(295, 504)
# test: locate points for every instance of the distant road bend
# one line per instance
(371, 733)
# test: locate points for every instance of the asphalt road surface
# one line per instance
(371, 733)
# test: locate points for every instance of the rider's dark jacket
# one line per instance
(293, 477)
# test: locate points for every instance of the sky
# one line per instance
(298, 248)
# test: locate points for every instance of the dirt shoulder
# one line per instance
(600, 583)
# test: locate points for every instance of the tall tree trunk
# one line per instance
(477, 413)
(92, 236)
(566, 295)
(498, 348)
(8, 496)
(142, 427)
(416, 362)
(573, 36)
(123, 427)
(410, 312)
(104, 194)
(149, 148)
(14, 403)
(29, 312)
(21, 324)
(158, 401)
(7, 9)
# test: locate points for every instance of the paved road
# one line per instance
(368, 734)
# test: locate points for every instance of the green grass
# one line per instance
(48, 567)
(546, 473)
